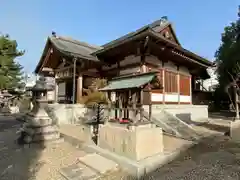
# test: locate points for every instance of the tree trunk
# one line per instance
(237, 104)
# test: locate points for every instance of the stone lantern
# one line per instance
(5, 97)
(39, 127)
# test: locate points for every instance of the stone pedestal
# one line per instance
(134, 142)
(235, 130)
(39, 127)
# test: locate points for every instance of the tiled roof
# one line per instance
(129, 82)
(73, 47)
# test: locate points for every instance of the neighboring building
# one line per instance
(154, 47)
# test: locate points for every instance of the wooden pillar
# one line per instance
(120, 105)
(129, 102)
(178, 84)
(56, 92)
(134, 107)
(190, 84)
(141, 107)
(150, 103)
(163, 81)
(79, 88)
(108, 94)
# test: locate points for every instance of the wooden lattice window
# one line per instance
(171, 82)
(185, 85)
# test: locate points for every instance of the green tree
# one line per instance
(93, 95)
(10, 70)
(228, 62)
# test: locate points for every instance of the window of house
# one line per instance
(171, 82)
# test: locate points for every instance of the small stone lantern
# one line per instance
(5, 97)
(39, 127)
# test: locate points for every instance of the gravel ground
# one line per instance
(214, 158)
(34, 163)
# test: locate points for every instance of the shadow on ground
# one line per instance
(224, 115)
(215, 127)
(17, 162)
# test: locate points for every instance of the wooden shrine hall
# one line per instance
(152, 48)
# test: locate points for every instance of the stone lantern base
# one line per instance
(39, 127)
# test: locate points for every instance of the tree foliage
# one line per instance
(228, 55)
(10, 70)
(93, 95)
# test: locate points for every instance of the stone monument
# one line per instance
(39, 127)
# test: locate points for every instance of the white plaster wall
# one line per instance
(171, 97)
(157, 97)
(185, 98)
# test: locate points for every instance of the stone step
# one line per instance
(98, 163)
(174, 125)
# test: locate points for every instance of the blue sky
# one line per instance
(198, 24)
